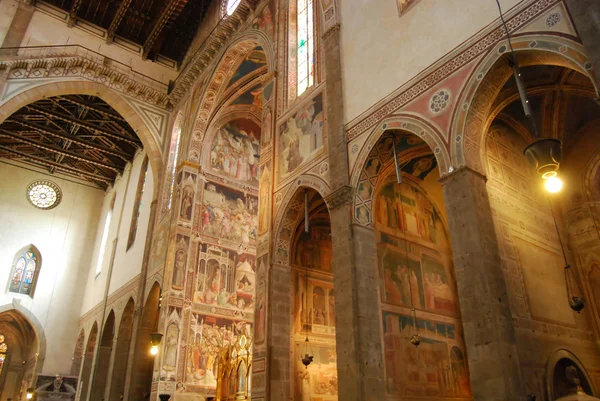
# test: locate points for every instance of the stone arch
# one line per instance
(116, 101)
(37, 328)
(225, 67)
(102, 364)
(88, 359)
(406, 122)
(471, 116)
(121, 352)
(288, 212)
(78, 353)
(554, 359)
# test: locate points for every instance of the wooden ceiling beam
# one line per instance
(116, 21)
(88, 144)
(47, 163)
(89, 105)
(73, 12)
(76, 121)
(60, 151)
(164, 17)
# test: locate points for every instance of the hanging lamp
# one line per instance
(416, 337)
(307, 358)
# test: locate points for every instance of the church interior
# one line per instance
(301, 200)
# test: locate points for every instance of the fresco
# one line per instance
(188, 183)
(264, 204)
(234, 149)
(226, 279)
(301, 137)
(252, 96)
(168, 366)
(229, 214)
(437, 368)
(415, 273)
(315, 249)
(252, 62)
(181, 253)
(206, 336)
(319, 381)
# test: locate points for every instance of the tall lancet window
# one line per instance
(306, 45)
(137, 205)
(172, 165)
(25, 271)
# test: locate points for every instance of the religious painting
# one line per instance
(402, 279)
(264, 203)
(159, 246)
(439, 289)
(319, 381)
(264, 21)
(252, 96)
(420, 167)
(267, 127)
(182, 244)
(234, 149)
(225, 279)
(315, 249)
(24, 273)
(301, 136)
(268, 91)
(209, 334)
(437, 368)
(229, 214)
(260, 313)
(314, 306)
(168, 366)
(187, 196)
(254, 60)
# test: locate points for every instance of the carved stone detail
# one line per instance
(340, 197)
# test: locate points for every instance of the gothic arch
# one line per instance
(554, 358)
(116, 101)
(406, 122)
(38, 266)
(228, 62)
(37, 328)
(288, 212)
(472, 113)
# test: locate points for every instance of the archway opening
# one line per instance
(313, 302)
(417, 283)
(100, 380)
(121, 357)
(19, 349)
(88, 360)
(144, 363)
(78, 354)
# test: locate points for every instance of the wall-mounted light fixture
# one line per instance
(155, 339)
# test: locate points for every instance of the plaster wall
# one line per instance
(377, 42)
(45, 30)
(9, 9)
(62, 235)
(127, 263)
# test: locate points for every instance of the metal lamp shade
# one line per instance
(155, 338)
(544, 155)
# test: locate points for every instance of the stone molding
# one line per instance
(442, 180)
(73, 66)
(340, 197)
(331, 31)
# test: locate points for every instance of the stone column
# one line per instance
(18, 26)
(586, 17)
(487, 323)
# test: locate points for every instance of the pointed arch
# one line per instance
(26, 266)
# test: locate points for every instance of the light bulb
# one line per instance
(29, 396)
(553, 184)
(154, 350)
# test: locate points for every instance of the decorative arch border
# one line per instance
(226, 65)
(116, 101)
(470, 119)
(553, 359)
(225, 115)
(287, 214)
(37, 328)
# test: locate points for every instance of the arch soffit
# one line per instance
(411, 124)
(116, 101)
(37, 328)
(553, 359)
(287, 213)
(228, 61)
(471, 114)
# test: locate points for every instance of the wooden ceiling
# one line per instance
(165, 27)
(75, 135)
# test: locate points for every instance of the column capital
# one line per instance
(461, 170)
(340, 197)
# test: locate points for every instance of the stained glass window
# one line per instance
(231, 6)
(138, 203)
(105, 237)
(24, 274)
(44, 194)
(3, 350)
(173, 151)
(306, 45)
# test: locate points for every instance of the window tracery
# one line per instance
(24, 273)
(305, 45)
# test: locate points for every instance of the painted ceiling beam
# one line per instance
(64, 152)
(116, 21)
(164, 17)
(88, 144)
(73, 12)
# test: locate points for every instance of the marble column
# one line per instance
(487, 323)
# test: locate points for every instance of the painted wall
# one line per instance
(127, 263)
(377, 42)
(62, 235)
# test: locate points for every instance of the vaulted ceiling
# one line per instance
(165, 27)
(75, 135)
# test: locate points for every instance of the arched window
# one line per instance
(25, 271)
(305, 45)
(172, 166)
(104, 240)
(3, 350)
(137, 205)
